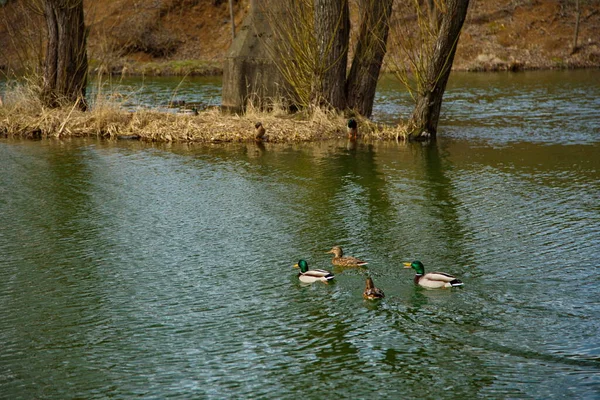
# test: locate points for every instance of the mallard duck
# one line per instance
(260, 131)
(371, 292)
(352, 128)
(432, 280)
(189, 111)
(312, 275)
(344, 261)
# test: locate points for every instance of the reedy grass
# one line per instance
(24, 115)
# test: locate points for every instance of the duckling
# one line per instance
(371, 292)
(260, 131)
(432, 280)
(312, 275)
(352, 128)
(344, 261)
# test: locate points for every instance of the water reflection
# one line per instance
(158, 270)
(54, 239)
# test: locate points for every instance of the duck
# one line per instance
(352, 128)
(432, 280)
(189, 111)
(260, 131)
(312, 275)
(371, 292)
(344, 261)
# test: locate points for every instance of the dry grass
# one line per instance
(23, 115)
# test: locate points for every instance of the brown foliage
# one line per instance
(23, 115)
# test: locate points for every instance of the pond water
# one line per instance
(165, 270)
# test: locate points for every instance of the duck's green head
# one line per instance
(416, 265)
(303, 265)
(352, 123)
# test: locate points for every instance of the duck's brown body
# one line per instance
(371, 292)
(260, 131)
(344, 261)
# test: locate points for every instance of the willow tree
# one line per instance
(310, 49)
(332, 31)
(368, 55)
(437, 67)
(66, 63)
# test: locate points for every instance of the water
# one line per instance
(555, 107)
(157, 92)
(165, 271)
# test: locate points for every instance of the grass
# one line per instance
(23, 115)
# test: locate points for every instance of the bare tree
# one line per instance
(332, 31)
(232, 17)
(66, 64)
(424, 120)
(576, 31)
(432, 10)
(368, 56)
(25, 53)
(310, 49)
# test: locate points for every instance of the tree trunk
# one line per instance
(576, 32)
(424, 120)
(232, 17)
(332, 30)
(65, 70)
(368, 57)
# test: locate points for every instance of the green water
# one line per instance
(165, 271)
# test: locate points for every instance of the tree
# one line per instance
(368, 56)
(576, 31)
(66, 64)
(310, 49)
(332, 31)
(424, 120)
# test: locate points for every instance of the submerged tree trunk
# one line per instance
(66, 65)
(424, 120)
(368, 57)
(332, 30)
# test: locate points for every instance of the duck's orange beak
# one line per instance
(407, 265)
(296, 266)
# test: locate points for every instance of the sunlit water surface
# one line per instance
(165, 271)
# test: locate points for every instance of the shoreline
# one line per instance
(23, 116)
(32, 121)
(488, 63)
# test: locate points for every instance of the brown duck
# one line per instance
(371, 292)
(259, 131)
(344, 261)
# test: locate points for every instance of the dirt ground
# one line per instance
(498, 35)
(529, 34)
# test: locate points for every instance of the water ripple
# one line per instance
(155, 272)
